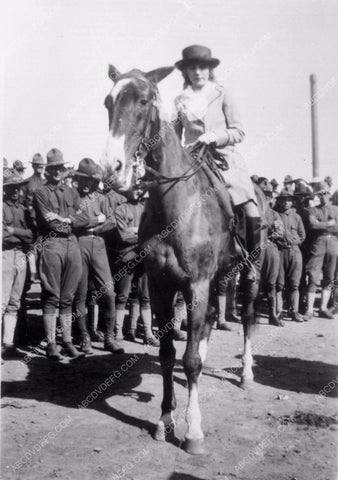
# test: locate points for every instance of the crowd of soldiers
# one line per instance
(75, 235)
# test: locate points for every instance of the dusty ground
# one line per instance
(280, 430)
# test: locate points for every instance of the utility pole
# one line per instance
(314, 125)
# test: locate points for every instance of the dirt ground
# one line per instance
(281, 429)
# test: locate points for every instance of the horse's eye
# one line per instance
(143, 101)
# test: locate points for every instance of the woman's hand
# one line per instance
(207, 138)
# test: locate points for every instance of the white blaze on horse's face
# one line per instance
(115, 161)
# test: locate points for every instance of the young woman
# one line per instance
(207, 114)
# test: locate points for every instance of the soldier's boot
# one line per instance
(221, 308)
(311, 296)
(253, 241)
(86, 344)
(134, 315)
(273, 317)
(67, 346)
(49, 323)
(294, 301)
(324, 312)
(149, 338)
(110, 344)
(92, 320)
(231, 306)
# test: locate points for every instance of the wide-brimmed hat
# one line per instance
(274, 182)
(302, 190)
(285, 194)
(194, 54)
(13, 179)
(18, 165)
(38, 160)
(321, 188)
(88, 168)
(288, 179)
(55, 157)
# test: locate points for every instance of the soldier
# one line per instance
(129, 263)
(19, 168)
(274, 184)
(289, 184)
(17, 235)
(291, 262)
(35, 181)
(93, 219)
(323, 225)
(60, 265)
(271, 259)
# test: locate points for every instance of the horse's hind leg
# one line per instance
(193, 359)
(162, 304)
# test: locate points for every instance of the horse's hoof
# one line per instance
(159, 434)
(194, 447)
(247, 383)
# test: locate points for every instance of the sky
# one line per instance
(57, 53)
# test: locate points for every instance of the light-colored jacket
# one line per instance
(214, 111)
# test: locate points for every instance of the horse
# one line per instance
(186, 230)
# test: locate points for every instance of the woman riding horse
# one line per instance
(206, 113)
(186, 229)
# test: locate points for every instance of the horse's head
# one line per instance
(131, 105)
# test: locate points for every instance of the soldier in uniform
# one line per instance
(130, 267)
(271, 259)
(17, 235)
(35, 181)
(323, 225)
(291, 262)
(19, 168)
(60, 264)
(94, 218)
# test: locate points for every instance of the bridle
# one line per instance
(145, 147)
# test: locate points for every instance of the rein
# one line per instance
(159, 177)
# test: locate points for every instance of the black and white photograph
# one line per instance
(169, 240)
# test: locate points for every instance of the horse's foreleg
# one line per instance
(162, 304)
(248, 320)
(194, 356)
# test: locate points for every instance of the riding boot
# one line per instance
(221, 303)
(273, 318)
(253, 241)
(49, 323)
(231, 306)
(86, 345)
(149, 338)
(134, 315)
(110, 343)
(294, 301)
(92, 319)
(68, 347)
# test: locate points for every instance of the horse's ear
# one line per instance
(113, 73)
(159, 74)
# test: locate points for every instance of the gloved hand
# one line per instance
(207, 138)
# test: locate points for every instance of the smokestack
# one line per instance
(314, 125)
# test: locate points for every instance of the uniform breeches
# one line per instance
(14, 267)
(60, 270)
(290, 269)
(123, 287)
(95, 266)
(323, 256)
(270, 269)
